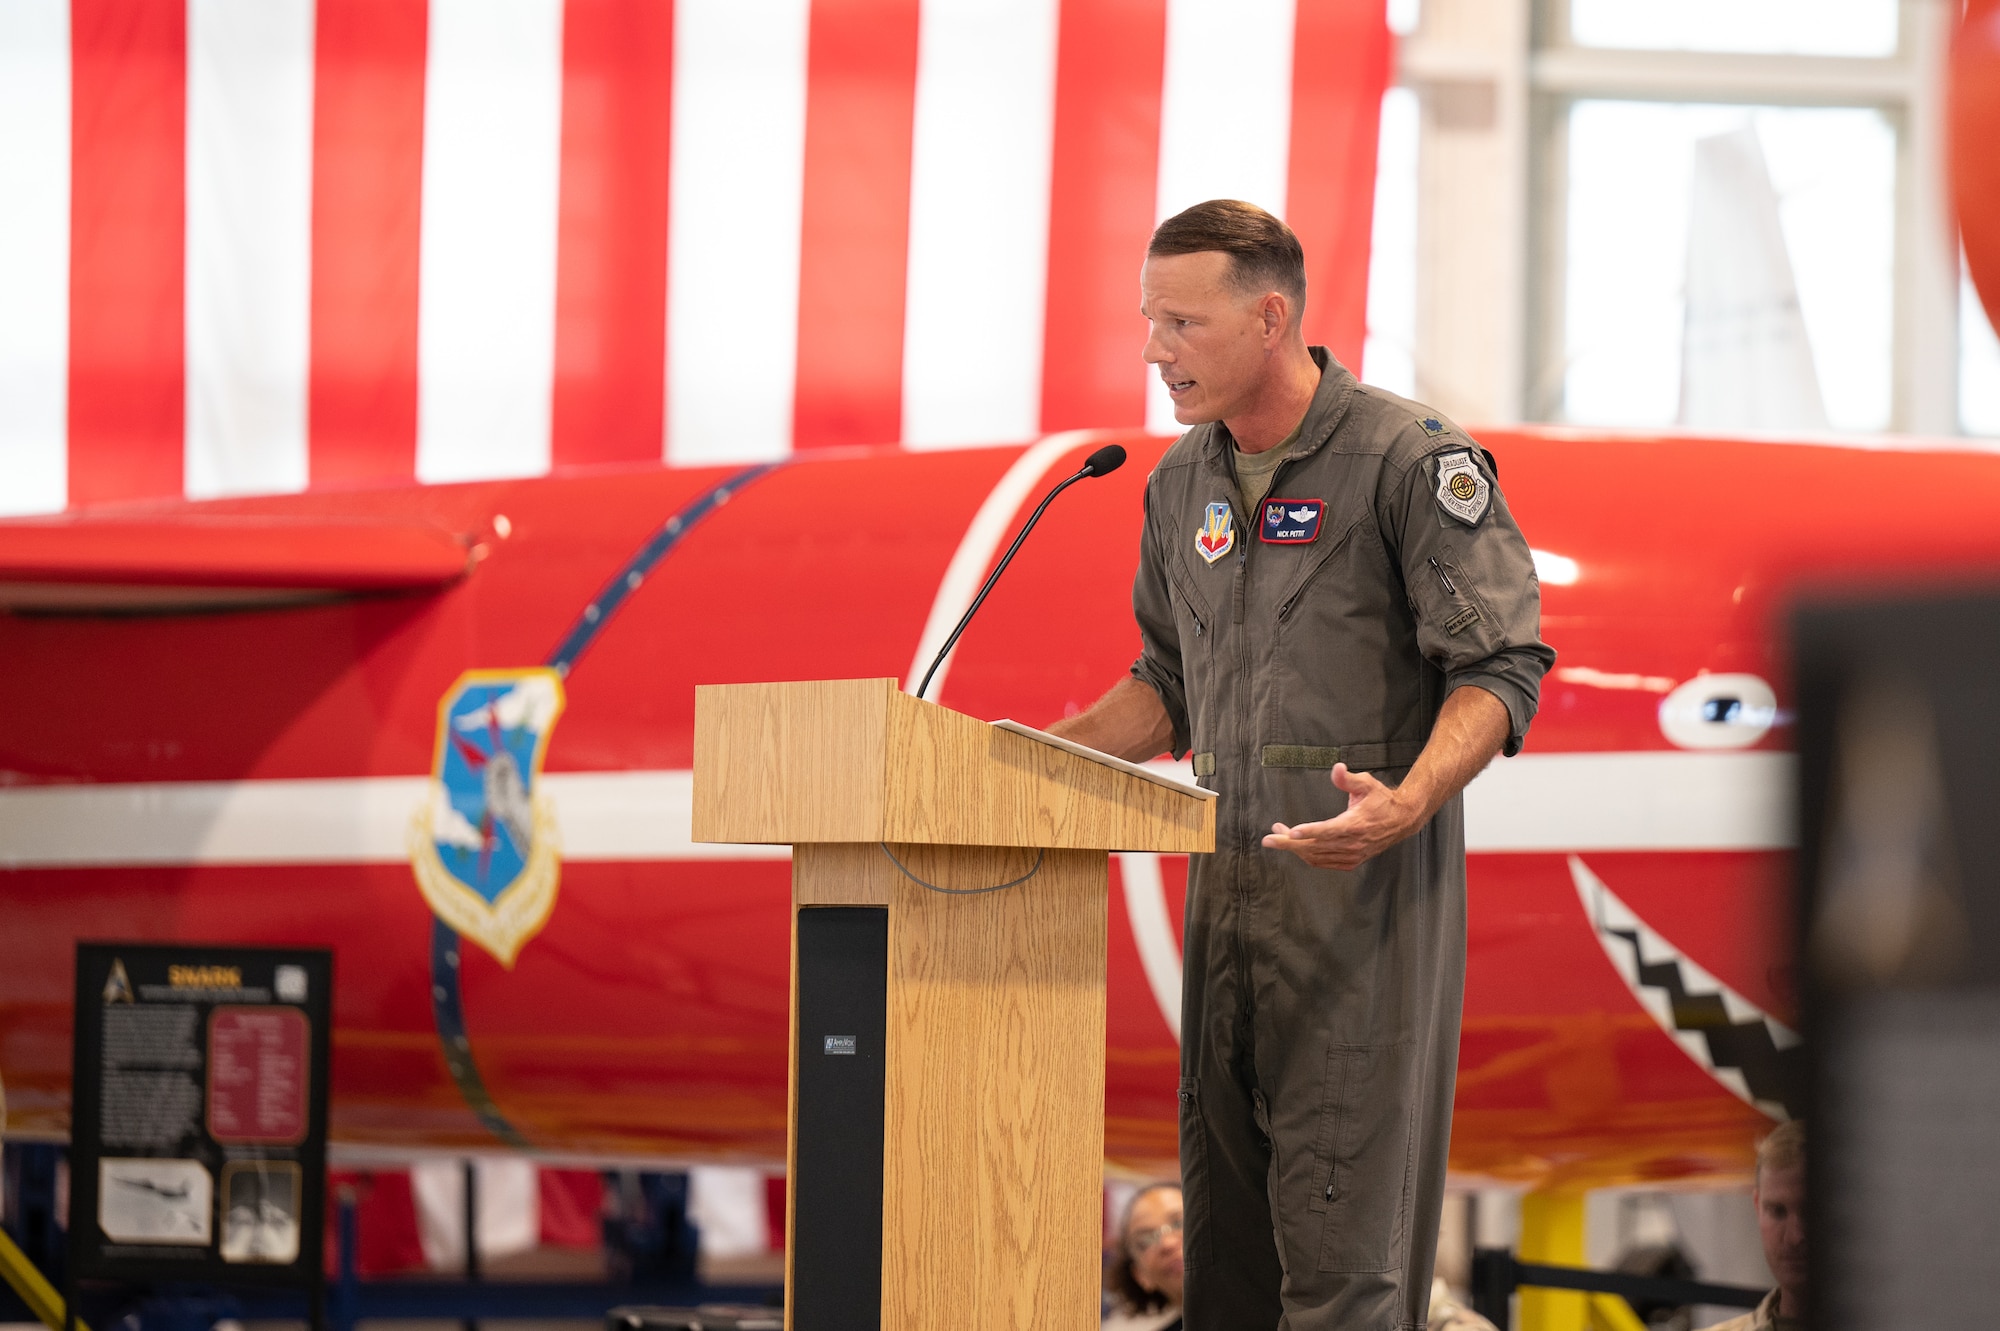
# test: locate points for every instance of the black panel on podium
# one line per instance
(837, 1180)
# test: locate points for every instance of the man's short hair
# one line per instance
(1785, 1148)
(1264, 254)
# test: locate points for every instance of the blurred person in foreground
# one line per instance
(1780, 1198)
(1145, 1276)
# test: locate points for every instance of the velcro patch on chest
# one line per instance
(1462, 489)
(1217, 532)
(1291, 521)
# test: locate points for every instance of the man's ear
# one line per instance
(1276, 312)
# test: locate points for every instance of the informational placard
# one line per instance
(198, 1119)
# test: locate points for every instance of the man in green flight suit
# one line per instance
(1329, 581)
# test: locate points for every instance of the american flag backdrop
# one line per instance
(262, 245)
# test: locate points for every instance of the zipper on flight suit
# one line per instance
(1187, 598)
(1298, 592)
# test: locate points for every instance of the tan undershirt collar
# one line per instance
(1254, 470)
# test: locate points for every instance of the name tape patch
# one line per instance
(1291, 521)
(840, 1044)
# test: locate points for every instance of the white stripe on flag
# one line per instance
(249, 244)
(486, 304)
(1225, 119)
(737, 188)
(979, 221)
(34, 255)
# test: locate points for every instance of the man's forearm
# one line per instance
(1127, 722)
(1471, 727)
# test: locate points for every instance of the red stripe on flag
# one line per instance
(128, 224)
(1109, 65)
(1341, 56)
(861, 88)
(368, 157)
(611, 256)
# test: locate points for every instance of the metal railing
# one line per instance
(1497, 1273)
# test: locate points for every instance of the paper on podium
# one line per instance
(1140, 770)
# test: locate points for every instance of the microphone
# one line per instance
(1101, 463)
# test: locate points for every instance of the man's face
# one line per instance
(1209, 340)
(1154, 1239)
(1781, 1201)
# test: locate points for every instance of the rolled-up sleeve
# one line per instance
(1472, 586)
(1159, 663)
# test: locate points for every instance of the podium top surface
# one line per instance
(860, 760)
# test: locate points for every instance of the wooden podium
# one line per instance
(947, 1076)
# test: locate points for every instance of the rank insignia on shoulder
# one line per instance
(1291, 521)
(1463, 491)
(1434, 427)
(1217, 533)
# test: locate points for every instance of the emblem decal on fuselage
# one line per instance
(1291, 521)
(1217, 533)
(484, 843)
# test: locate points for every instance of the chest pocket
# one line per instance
(1319, 558)
(1335, 629)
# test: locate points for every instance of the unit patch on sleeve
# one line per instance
(1463, 491)
(1217, 532)
(1291, 521)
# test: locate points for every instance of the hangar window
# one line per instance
(1660, 196)
(1559, 152)
(1781, 27)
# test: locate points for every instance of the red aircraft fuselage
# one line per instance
(262, 775)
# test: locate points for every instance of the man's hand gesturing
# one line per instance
(1376, 818)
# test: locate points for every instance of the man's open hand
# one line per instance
(1376, 818)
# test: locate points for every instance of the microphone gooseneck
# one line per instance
(1101, 463)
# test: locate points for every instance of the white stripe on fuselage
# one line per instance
(1539, 802)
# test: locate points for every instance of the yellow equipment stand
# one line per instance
(29, 1283)
(1552, 1233)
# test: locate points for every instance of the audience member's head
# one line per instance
(1781, 1197)
(1146, 1276)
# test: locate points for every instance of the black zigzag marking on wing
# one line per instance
(1771, 1073)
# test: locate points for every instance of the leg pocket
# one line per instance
(1194, 1177)
(1366, 1158)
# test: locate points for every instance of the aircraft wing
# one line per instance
(167, 561)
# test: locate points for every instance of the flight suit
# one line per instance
(1320, 1009)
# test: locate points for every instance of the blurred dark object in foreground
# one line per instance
(1899, 862)
(708, 1317)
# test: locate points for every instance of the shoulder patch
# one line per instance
(1463, 491)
